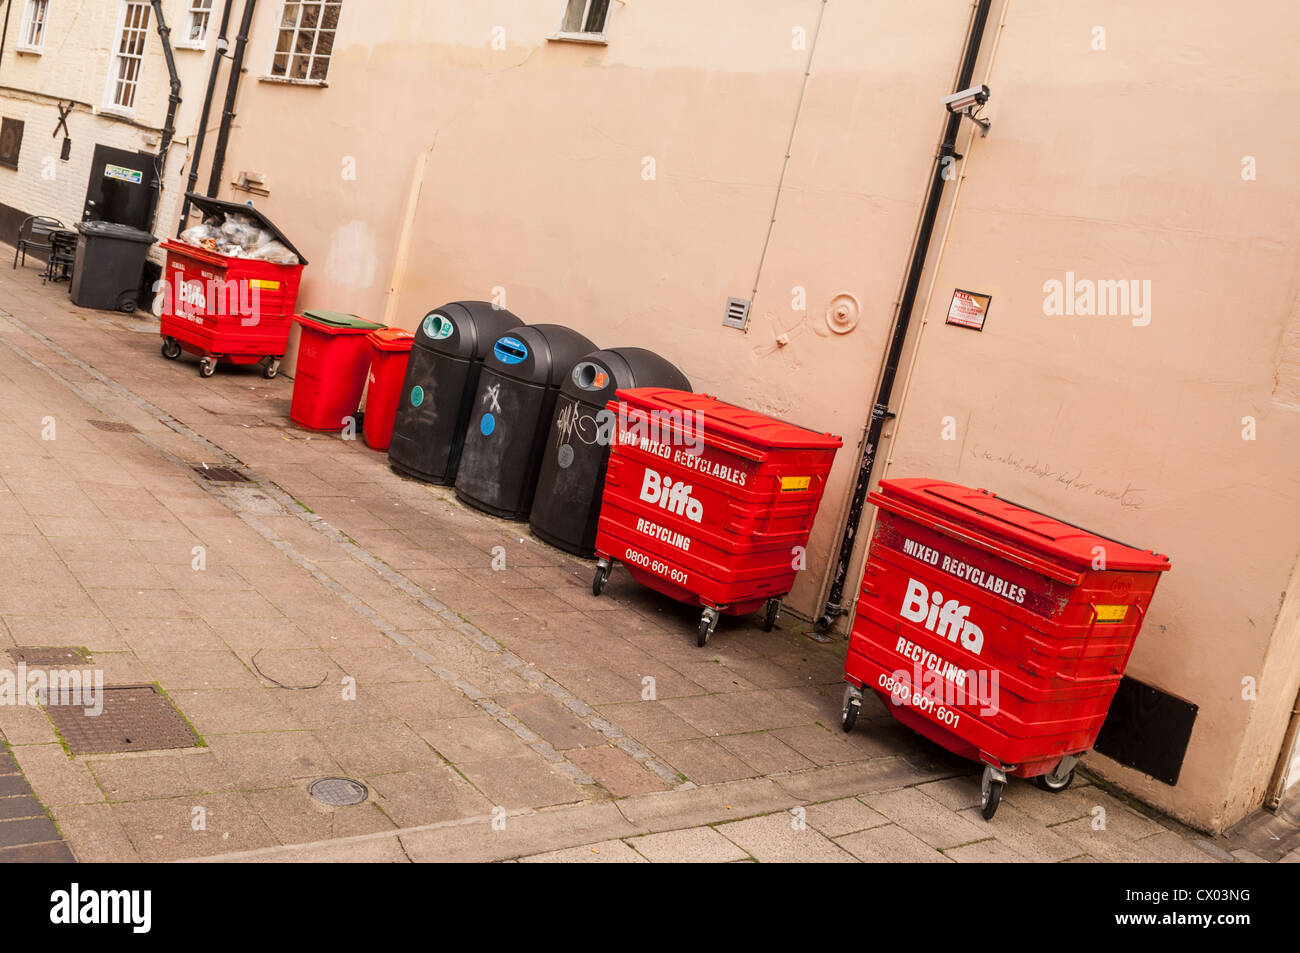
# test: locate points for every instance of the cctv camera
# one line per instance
(967, 98)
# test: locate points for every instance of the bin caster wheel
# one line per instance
(708, 622)
(991, 786)
(271, 369)
(1059, 778)
(171, 349)
(770, 612)
(852, 707)
(602, 576)
(207, 367)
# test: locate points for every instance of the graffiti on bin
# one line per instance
(571, 423)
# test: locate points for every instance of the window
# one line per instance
(585, 18)
(32, 37)
(124, 74)
(11, 141)
(200, 14)
(306, 40)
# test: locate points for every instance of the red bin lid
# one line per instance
(391, 339)
(728, 420)
(990, 514)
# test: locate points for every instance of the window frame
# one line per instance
(583, 36)
(194, 9)
(111, 105)
(24, 45)
(272, 76)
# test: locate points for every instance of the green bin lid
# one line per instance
(341, 320)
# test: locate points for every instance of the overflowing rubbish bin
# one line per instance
(994, 630)
(567, 503)
(709, 503)
(109, 266)
(333, 361)
(511, 416)
(230, 289)
(437, 395)
(390, 349)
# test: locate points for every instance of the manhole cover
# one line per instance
(221, 474)
(338, 792)
(133, 718)
(112, 426)
(56, 655)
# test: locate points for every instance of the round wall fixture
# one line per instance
(843, 313)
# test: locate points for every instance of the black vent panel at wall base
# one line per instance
(1147, 729)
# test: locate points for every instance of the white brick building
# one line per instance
(101, 62)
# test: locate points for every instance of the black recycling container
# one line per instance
(109, 264)
(441, 380)
(512, 414)
(566, 506)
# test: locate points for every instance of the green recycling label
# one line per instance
(122, 173)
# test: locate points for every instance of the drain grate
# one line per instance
(338, 792)
(134, 718)
(112, 426)
(221, 474)
(53, 655)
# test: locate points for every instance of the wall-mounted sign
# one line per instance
(968, 309)
(122, 173)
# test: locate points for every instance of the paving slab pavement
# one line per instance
(329, 617)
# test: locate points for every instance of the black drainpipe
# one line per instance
(232, 90)
(173, 103)
(5, 35)
(880, 412)
(218, 56)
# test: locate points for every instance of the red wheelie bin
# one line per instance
(225, 308)
(994, 630)
(708, 503)
(390, 352)
(333, 362)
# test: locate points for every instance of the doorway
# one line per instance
(119, 188)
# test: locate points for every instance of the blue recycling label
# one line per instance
(510, 351)
(487, 425)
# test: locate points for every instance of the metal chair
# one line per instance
(63, 256)
(34, 233)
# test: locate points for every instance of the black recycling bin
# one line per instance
(110, 261)
(566, 506)
(512, 415)
(441, 380)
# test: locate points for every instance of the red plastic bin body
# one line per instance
(331, 374)
(390, 351)
(716, 525)
(235, 309)
(993, 630)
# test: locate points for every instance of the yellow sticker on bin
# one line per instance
(795, 483)
(264, 284)
(1111, 613)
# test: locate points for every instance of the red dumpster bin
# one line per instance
(994, 630)
(707, 502)
(224, 308)
(333, 358)
(390, 350)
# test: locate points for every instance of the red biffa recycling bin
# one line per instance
(707, 502)
(994, 630)
(224, 306)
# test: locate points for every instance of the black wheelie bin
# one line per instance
(512, 415)
(442, 377)
(566, 506)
